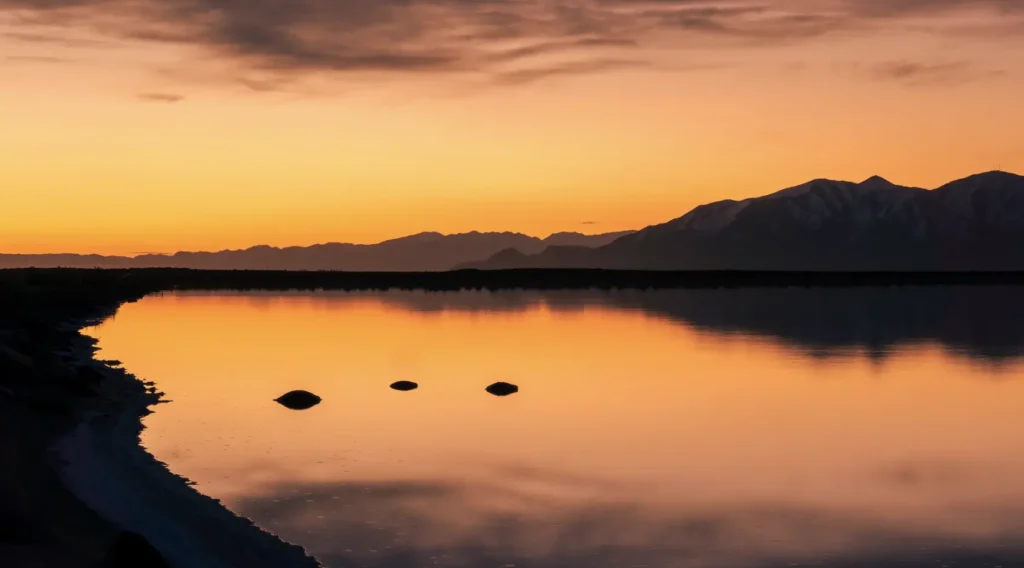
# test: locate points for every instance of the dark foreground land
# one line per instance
(46, 390)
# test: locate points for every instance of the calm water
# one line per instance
(660, 429)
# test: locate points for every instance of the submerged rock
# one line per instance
(404, 386)
(502, 389)
(298, 400)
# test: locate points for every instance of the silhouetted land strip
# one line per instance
(564, 279)
(74, 291)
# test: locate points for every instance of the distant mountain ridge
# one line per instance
(976, 223)
(420, 252)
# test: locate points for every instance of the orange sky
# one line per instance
(157, 128)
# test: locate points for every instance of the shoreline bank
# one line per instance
(77, 490)
(103, 463)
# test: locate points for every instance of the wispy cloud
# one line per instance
(161, 97)
(902, 8)
(530, 75)
(35, 59)
(50, 38)
(930, 73)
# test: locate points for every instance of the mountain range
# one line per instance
(976, 223)
(421, 252)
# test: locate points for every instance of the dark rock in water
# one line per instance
(502, 389)
(298, 400)
(132, 550)
(404, 386)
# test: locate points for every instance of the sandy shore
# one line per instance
(103, 464)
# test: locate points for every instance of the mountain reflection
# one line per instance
(979, 322)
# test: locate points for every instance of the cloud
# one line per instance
(924, 73)
(161, 97)
(903, 8)
(574, 68)
(35, 59)
(50, 38)
(548, 47)
(513, 41)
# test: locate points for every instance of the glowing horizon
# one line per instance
(202, 126)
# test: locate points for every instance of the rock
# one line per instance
(298, 400)
(502, 389)
(404, 386)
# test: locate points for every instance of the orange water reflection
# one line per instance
(634, 438)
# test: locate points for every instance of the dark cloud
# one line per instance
(161, 97)
(902, 8)
(512, 40)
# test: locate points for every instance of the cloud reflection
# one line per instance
(406, 524)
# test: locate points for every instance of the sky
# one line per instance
(130, 126)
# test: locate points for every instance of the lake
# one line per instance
(690, 428)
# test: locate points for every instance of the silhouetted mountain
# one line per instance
(581, 240)
(975, 223)
(420, 252)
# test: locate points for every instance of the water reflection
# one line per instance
(756, 428)
(410, 524)
(985, 322)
